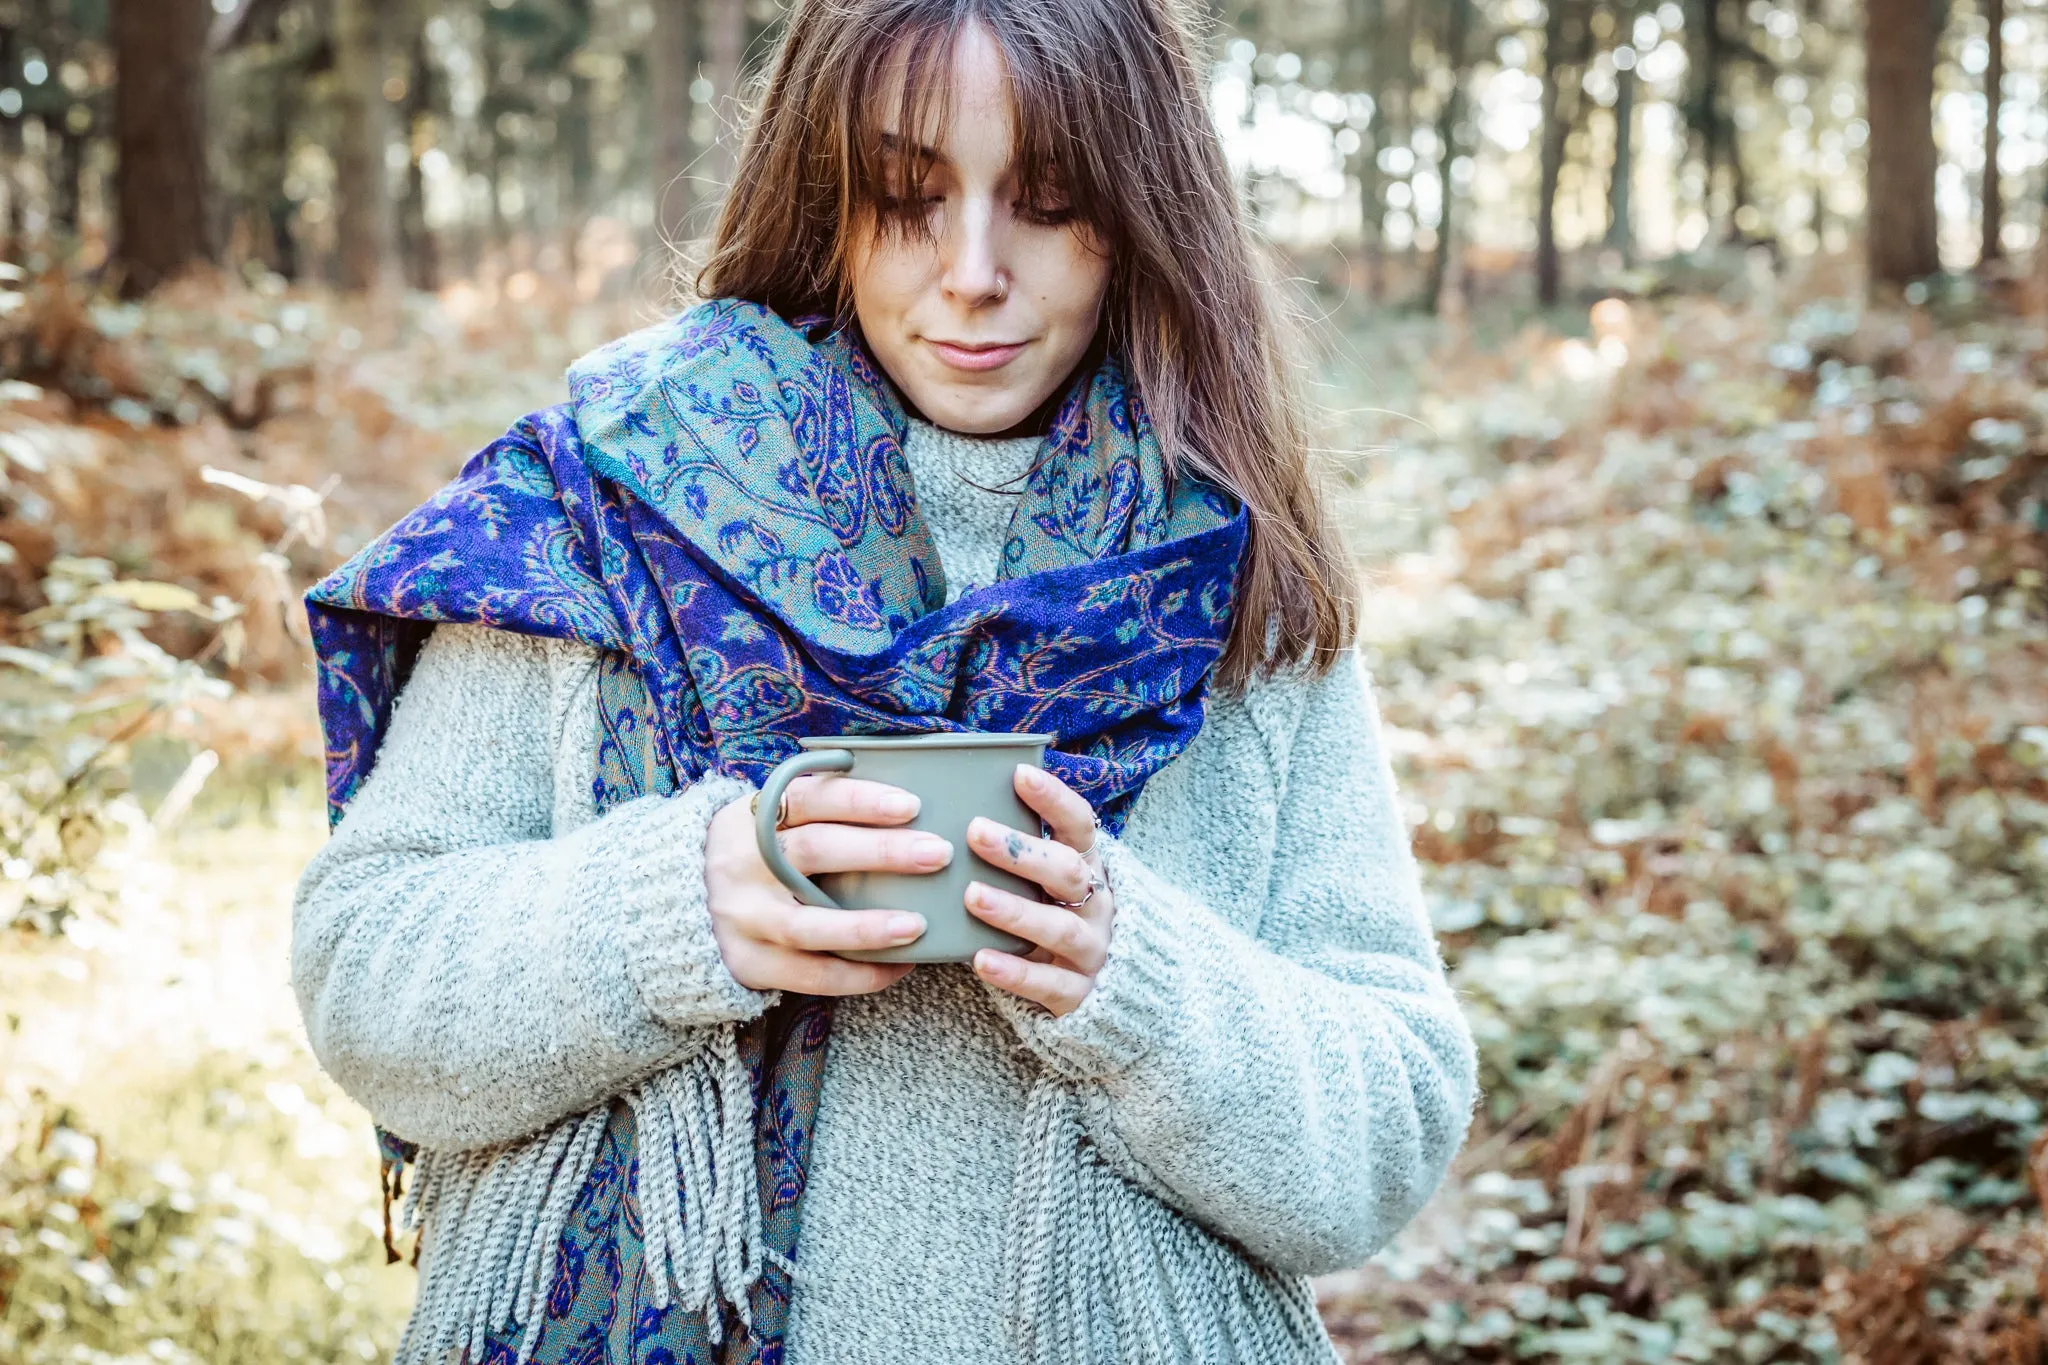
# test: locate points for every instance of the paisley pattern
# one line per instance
(724, 512)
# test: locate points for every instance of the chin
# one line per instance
(974, 414)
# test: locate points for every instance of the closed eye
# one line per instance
(1057, 215)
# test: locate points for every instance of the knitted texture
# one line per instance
(1267, 1081)
(968, 488)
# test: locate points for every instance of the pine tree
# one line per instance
(165, 201)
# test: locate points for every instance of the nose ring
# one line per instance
(1002, 286)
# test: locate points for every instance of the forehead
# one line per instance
(948, 94)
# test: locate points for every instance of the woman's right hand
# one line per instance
(769, 939)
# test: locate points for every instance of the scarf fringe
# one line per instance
(1102, 1273)
(492, 1219)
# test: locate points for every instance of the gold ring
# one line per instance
(781, 809)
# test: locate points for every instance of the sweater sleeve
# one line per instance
(465, 974)
(1301, 1091)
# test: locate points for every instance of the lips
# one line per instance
(981, 355)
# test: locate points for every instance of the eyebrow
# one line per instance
(896, 142)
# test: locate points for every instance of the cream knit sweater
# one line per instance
(1268, 1080)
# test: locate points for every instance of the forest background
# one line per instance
(1683, 367)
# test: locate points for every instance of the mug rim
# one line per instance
(943, 739)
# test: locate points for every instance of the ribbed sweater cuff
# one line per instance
(652, 857)
(1136, 1002)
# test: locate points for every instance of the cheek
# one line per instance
(887, 277)
(1076, 277)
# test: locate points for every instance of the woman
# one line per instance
(982, 421)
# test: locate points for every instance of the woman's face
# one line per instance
(982, 316)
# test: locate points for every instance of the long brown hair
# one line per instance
(1109, 106)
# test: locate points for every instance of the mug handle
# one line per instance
(790, 769)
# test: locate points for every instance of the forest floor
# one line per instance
(1712, 643)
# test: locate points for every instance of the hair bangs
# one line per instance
(1058, 157)
(897, 102)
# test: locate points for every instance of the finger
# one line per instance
(786, 969)
(1065, 811)
(1057, 867)
(1054, 987)
(847, 801)
(1055, 928)
(858, 848)
(815, 930)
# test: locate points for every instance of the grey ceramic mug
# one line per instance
(955, 777)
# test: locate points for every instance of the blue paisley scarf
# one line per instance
(723, 511)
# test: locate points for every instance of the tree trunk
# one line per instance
(1994, 100)
(725, 35)
(1363, 69)
(1551, 159)
(165, 218)
(13, 225)
(579, 157)
(1703, 99)
(1372, 218)
(493, 147)
(1457, 30)
(1620, 175)
(366, 228)
(1899, 220)
(673, 64)
(68, 182)
(1725, 134)
(1393, 108)
(422, 253)
(1738, 182)
(2041, 252)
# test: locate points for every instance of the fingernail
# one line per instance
(932, 851)
(985, 962)
(905, 926)
(899, 805)
(976, 896)
(1033, 777)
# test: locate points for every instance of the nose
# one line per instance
(974, 265)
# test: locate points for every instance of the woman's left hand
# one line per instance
(1072, 939)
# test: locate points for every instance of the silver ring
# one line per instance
(1095, 884)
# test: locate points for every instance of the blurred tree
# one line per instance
(578, 160)
(1457, 45)
(494, 120)
(268, 54)
(1702, 104)
(12, 224)
(66, 102)
(421, 110)
(1564, 29)
(267, 60)
(1717, 50)
(1899, 222)
(1394, 86)
(1363, 60)
(160, 128)
(672, 69)
(1621, 170)
(365, 226)
(724, 29)
(1994, 101)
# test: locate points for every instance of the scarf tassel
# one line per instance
(1102, 1273)
(491, 1219)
